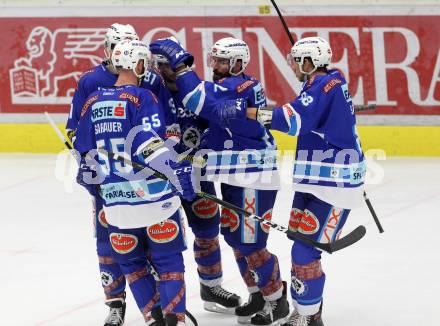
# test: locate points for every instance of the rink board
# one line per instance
(395, 140)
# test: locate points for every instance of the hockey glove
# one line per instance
(85, 177)
(230, 109)
(183, 172)
(173, 51)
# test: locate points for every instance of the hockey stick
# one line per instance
(365, 107)
(357, 108)
(69, 146)
(339, 244)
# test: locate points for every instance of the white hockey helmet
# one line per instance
(232, 49)
(116, 33)
(127, 54)
(316, 48)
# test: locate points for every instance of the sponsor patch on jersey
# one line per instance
(204, 208)
(309, 224)
(331, 84)
(108, 110)
(101, 218)
(268, 217)
(132, 98)
(229, 218)
(259, 96)
(87, 104)
(295, 217)
(123, 243)
(243, 86)
(163, 232)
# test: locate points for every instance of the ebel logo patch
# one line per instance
(123, 243)
(163, 232)
(108, 110)
(205, 208)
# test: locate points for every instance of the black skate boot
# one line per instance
(116, 315)
(255, 304)
(217, 299)
(156, 314)
(295, 319)
(274, 312)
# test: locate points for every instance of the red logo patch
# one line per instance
(309, 223)
(295, 218)
(163, 232)
(119, 111)
(204, 208)
(229, 218)
(246, 84)
(123, 243)
(268, 217)
(101, 218)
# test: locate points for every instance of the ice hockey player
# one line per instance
(103, 75)
(142, 211)
(241, 154)
(203, 214)
(329, 169)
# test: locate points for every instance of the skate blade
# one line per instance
(213, 307)
(244, 320)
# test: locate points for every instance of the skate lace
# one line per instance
(115, 316)
(221, 292)
(296, 319)
(269, 307)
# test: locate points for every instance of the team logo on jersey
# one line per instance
(101, 218)
(204, 208)
(309, 224)
(229, 218)
(306, 99)
(163, 232)
(123, 243)
(299, 286)
(108, 110)
(295, 217)
(106, 278)
(268, 217)
(191, 137)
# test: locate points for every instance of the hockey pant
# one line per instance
(112, 278)
(163, 243)
(204, 219)
(321, 222)
(258, 267)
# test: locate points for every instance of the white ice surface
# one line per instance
(49, 271)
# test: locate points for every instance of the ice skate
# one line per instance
(217, 299)
(274, 312)
(116, 315)
(295, 319)
(245, 312)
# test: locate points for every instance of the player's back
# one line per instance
(89, 82)
(125, 120)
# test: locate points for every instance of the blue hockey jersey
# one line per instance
(242, 149)
(329, 159)
(98, 77)
(127, 120)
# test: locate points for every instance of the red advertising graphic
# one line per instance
(393, 61)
